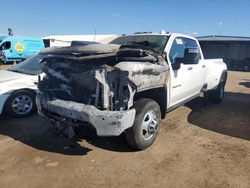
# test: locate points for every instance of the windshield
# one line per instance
(32, 65)
(155, 42)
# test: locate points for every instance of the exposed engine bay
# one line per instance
(105, 76)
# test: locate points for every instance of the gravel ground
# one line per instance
(199, 145)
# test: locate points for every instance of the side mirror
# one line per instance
(177, 63)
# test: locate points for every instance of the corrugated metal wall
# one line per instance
(236, 53)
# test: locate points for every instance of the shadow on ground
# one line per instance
(246, 83)
(231, 117)
(118, 144)
(38, 133)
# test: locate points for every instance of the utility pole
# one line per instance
(220, 26)
(95, 34)
(10, 33)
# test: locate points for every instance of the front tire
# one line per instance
(20, 104)
(146, 125)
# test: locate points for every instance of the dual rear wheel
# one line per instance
(217, 95)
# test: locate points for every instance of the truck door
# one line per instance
(182, 78)
(194, 61)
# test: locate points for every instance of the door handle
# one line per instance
(203, 66)
(189, 68)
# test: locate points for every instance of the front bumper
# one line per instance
(106, 123)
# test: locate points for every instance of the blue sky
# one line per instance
(49, 17)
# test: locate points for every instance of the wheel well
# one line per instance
(25, 89)
(30, 90)
(157, 94)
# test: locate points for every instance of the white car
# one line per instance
(18, 87)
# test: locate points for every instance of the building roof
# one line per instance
(223, 38)
(69, 38)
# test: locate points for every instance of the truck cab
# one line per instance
(16, 49)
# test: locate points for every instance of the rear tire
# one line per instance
(20, 104)
(216, 96)
(146, 125)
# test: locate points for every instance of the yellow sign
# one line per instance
(19, 47)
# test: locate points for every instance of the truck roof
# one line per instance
(163, 34)
(148, 33)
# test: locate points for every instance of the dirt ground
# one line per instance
(199, 145)
(4, 67)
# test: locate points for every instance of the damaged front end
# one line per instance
(96, 84)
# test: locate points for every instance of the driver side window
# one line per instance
(185, 51)
(177, 50)
(6, 45)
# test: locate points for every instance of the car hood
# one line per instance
(6, 76)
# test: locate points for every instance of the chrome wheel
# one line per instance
(146, 125)
(22, 104)
(149, 125)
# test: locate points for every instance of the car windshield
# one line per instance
(32, 65)
(155, 42)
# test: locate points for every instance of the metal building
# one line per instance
(235, 51)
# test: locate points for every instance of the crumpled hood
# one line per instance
(91, 49)
(100, 51)
(6, 76)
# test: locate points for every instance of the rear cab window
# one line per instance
(155, 42)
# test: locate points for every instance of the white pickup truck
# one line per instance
(128, 85)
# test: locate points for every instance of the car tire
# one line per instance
(3, 60)
(20, 104)
(146, 125)
(217, 95)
